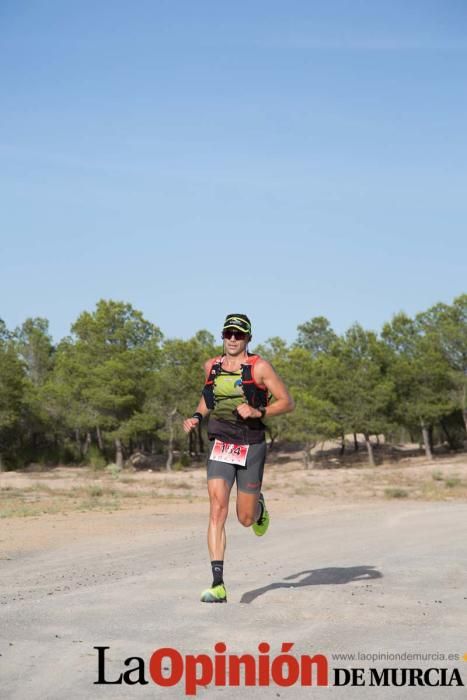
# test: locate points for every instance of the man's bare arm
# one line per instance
(266, 374)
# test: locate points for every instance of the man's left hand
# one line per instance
(247, 411)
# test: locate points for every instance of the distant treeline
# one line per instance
(116, 385)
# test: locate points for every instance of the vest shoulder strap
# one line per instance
(214, 369)
(248, 371)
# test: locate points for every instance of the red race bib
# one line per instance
(230, 453)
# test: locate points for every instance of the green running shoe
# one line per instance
(216, 594)
(261, 525)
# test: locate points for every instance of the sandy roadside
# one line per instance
(63, 505)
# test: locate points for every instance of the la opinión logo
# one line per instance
(167, 667)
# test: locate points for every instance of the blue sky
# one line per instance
(284, 160)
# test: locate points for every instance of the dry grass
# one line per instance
(68, 489)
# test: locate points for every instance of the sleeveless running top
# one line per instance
(228, 393)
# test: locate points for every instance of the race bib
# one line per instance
(230, 453)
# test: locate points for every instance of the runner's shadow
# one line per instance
(318, 577)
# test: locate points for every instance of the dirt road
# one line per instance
(386, 577)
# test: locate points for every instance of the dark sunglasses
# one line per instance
(238, 335)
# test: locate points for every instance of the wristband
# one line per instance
(198, 415)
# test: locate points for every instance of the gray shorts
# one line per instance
(249, 478)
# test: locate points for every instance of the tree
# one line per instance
(64, 402)
(34, 346)
(4, 332)
(446, 327)
(316, 336)
(273, 349)
(35, 349)
(12, 388)
(356, 381)
(110, 361)
(314, 417)
(420, 374)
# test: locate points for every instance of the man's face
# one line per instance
(235, 341)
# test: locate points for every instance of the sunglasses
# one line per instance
(237, 335)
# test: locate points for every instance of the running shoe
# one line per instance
(260, 526)
(216, 594)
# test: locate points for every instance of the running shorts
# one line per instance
(249, 478)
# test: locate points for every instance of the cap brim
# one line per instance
(237, 328)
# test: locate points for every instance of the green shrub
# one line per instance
(185, 459)
(113, 470)
(95, 459)
(95, 491)
(395, 493)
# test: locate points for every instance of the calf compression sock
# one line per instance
(217, 572)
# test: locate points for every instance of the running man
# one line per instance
(236, 394)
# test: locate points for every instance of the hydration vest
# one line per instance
(254, 393)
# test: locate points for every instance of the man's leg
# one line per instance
(251, 509)
(219, 493)
(248, 509)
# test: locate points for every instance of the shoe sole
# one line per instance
(261, 534)
(207, 597)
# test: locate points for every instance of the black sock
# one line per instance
(217, 572)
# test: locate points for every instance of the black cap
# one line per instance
(240, 322)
